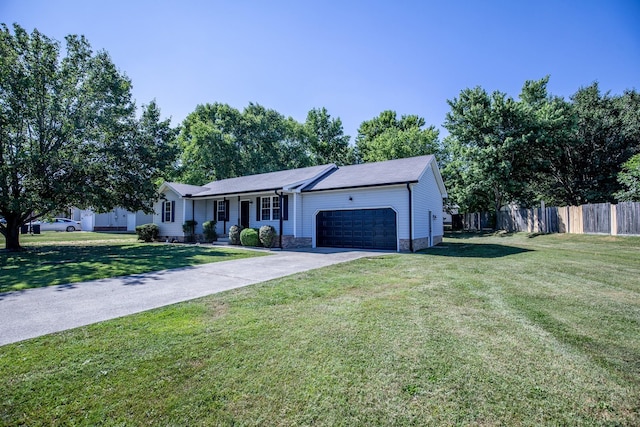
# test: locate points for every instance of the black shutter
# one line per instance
(226, 210)
(173, 211)
(162, 211)
(284, 209)
(257, 208)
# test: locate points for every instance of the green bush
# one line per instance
(249, 237)
(147, 232)
(189, 226)
(209, 231)
(234, 234)
(267, 236)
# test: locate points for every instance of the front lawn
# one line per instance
(483, 331)
(55, 258)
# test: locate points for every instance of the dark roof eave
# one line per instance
(235, 193)
(362, 186)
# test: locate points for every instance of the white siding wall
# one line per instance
(143, 218)
(297, 212)
(170, 228)
(396, 197)
(115, 218)
(204, 212)
(427, 197)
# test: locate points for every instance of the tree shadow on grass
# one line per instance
(473, 250)
(64, 265)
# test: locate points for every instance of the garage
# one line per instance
(357, 228)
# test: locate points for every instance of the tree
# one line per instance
(219, 142)
(326, 140)
(607, 136)
(490, 140)
(68, 132)
(551, 126)
(582, 144)
(209, 147)
(386, 138)
(629, 179)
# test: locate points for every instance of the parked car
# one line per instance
(58, 224)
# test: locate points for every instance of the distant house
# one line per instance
(118, 219)
(392, 205)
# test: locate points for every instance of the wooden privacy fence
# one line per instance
(598, 218)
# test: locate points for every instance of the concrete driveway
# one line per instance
(35, 312)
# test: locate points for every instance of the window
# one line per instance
(168, 211)
(275, 208)
(266, 208)
(222, 210)
(269, 209)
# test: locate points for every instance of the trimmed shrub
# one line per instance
(189, 228)
(234, 234)
(249, 237)
(209, 231)
(267, 236)
(147, 232)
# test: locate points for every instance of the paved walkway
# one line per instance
(35, 312)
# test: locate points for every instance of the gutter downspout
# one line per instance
(410, 218)
(224, 218)
(280, 231)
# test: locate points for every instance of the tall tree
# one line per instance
(68, 132)
(386, 138)
(552, 127)
(607, 136)
(219, 142)
(491, 142)
(541, 147)
(326, 140)
(209, 147)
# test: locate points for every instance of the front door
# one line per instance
(244, 213)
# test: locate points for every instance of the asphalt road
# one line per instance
(35, 312)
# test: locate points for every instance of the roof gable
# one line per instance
(398, 171)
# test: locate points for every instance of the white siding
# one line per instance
(396, 197)
(427, 197)
(170, 228)
(204, 212)
(114, 218)
(296, 212)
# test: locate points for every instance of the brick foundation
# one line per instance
(290, 242)
(419, 244)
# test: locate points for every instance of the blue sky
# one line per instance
(356, 58)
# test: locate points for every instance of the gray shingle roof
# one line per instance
(374, 174)
(184, 189)
(262, 182)
(318, 178)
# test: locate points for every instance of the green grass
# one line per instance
(481, 331)
(55, 258)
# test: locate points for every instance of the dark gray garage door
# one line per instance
(359, 228)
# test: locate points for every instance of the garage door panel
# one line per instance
(357, 228)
